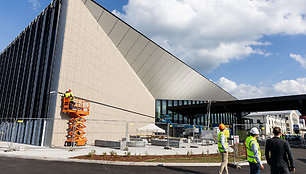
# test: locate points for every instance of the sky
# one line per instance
(251, 48)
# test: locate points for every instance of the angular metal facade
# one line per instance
(163, 74)
(26, 67)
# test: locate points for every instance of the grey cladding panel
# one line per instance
(163, 75)
(162, 71)
(118, 32)
(84, 1)
(180, 89)
(136, 49)
(155, 69)
(94, 9)
(150, 62)
(195, 85)
(128, 41)
(177, 76)
(144, 56)
(199, 91)
(107, 21)
(167, 78)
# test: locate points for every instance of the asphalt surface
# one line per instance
(24, 166)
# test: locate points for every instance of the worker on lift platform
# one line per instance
(70, 95)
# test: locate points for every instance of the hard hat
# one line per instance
(221, 126)
(254, 130)
(68, 90)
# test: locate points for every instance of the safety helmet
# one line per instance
(68, 90)
(221, 126)
(254, 130)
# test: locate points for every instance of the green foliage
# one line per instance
(127, 153)
(104, 153)
(113, 153)
(189, 152)
(91, 153)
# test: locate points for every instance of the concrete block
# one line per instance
(158, 142)
(111, 144)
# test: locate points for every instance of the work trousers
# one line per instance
(224, 163)
(254, 168)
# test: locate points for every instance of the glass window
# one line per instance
(169, 103)
(157, 110)
(175, 118)
(175, 103)
(164, 107)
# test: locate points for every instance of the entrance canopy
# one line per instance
(293, 102)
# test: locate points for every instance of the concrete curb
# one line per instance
(123, 163)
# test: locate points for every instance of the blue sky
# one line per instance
(250, 48)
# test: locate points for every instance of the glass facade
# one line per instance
(198, 119)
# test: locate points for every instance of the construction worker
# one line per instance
(283, 137)
(223, 149)
(69, 94)
(253, 152)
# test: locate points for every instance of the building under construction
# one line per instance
(124, 75)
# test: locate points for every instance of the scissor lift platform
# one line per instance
(78, 109)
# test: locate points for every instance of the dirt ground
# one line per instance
(147, 158)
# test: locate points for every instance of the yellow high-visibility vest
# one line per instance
(69, 94)
(220, 147)
(250, 154)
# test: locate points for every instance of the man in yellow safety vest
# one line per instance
(223, 148)
(69, 94)
(253, 152)
(283, 137)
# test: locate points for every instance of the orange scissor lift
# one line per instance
(78, 109)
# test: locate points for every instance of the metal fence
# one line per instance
(243, 131)
(32, 131)
(25, 131)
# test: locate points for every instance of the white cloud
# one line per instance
(289, 87)
(35, 4)
(299, 59)
(246, 91)
(207, 33)
(241, 91)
